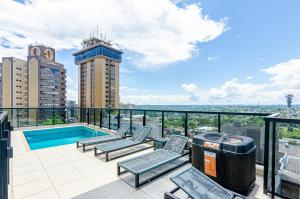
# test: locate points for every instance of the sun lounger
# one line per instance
(118, 135)
(138, 138)
(198, 186)
(144, 163)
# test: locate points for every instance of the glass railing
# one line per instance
(163, 122)
(282, 157)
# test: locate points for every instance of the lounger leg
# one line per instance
(95, 151)
(83, 147)
(137, 180)
(118, 170)
(106, 157)
(77, 144)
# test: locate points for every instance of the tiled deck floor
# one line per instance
(64, 172)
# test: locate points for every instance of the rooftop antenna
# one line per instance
(97, 32)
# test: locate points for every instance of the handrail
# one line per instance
(154, 110)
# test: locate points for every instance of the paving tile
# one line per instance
(92, 170)
(101, 179)
(136, 195)
(27, 168)
(121, 188)
(29, 177)
(32, 188)
(66, 177)
(74, 188)
(157, 188)
(49, 194)
(59, 169)
(54, 162)
(84, 163)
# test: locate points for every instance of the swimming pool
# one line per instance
(44, 138)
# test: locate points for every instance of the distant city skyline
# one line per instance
(185, 52)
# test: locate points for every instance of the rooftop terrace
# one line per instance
(66, 172)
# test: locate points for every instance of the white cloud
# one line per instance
(213, 58)
(285, 75)
(158, 31)
(249, 77)
(284, 79)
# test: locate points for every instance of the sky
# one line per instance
(175, 51)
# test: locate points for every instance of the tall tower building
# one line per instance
(98, 63)
(46, 78)
(13, 83)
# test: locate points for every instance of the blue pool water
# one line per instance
(44, 138)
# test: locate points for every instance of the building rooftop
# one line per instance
(65, 172)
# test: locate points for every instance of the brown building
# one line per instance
(13, 83)
(98, 63)
(38, 82)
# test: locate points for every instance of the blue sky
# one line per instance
(252, 54)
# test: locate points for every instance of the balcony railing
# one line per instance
(282, 157)
(276, 138)
(163, 122)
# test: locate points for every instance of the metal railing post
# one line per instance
(88, 116)
(273, 157)
(52, 115)
(119, 119)
(94, 117)
(109, 118)
(219, 122)
(144, 119)
(130, 121)
(162, 123)
(18, 119)
(186, 124)
(266, 155)
(100, 117)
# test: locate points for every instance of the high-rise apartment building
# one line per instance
(13, 83)
(98, 63)
(46, 78)
(38, 82)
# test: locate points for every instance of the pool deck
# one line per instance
(64, 172)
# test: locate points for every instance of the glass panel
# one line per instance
(251, 126)
(114, 119)
(125, 117)
(153, 119)
(84, 115)
(59, 116)
(287, 160)
(71, 115)
(198, 123)
(91, 115)
(44, 116)
(97, 116)
(23, 117)
(32, 117)
(137, 120)
(105, 115)
(174, 123)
